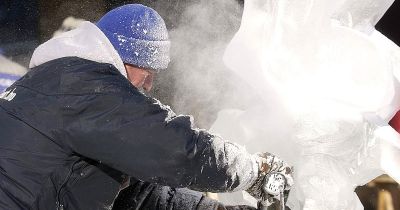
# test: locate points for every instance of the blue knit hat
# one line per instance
(139, 35)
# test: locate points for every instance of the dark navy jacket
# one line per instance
(73, 130)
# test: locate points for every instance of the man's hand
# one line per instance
(240, 207)
(272, 174)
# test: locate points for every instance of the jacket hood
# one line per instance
(87, 42)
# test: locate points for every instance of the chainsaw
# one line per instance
(275, 186)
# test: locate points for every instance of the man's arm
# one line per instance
(143, 195)
(145, 139)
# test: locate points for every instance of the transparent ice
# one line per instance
(327, 85)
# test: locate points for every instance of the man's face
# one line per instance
(140, 78)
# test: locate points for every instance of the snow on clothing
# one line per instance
(76, 126)
(140, 37)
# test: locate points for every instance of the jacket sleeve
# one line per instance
(145, 139)
(143, 195)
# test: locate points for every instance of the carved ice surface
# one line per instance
(327, 86)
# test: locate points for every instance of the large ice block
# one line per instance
(327, 86)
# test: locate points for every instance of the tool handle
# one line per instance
(282, 201)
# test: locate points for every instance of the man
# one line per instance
(76, 126)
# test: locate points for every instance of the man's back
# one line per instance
(38, 170)
(26, 171)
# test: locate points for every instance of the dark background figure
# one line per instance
(19, 32)
(24, 24)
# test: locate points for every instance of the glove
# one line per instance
(272, 174)
(240, 207)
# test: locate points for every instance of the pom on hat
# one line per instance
(139, 35)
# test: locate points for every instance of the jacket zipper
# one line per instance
(60, 206)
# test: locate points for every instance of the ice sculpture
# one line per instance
(327, 83)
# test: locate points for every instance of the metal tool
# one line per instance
(274, 185)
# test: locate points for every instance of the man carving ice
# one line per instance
(78, 127)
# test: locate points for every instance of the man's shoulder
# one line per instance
(73, 75)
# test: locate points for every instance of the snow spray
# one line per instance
(307, 73)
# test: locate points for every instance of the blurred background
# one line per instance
(24, 24)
